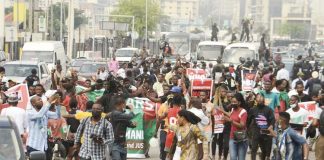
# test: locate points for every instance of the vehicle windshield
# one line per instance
(179, 45)
(209, 52)
(43, 56)
(77, 63)
(19, 70)
(233, 55)
(125, 53)
(90, 68)
(9, 146)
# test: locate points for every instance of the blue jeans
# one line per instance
(238, 149)
(118, 152)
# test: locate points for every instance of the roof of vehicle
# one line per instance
(41, 45)
(212, 43)
(25, 62)
(133, 49)
(250, 46)
(94, 63)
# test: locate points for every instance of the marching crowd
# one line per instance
(269, 116)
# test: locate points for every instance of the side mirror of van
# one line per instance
(44, 75)
(37, 155)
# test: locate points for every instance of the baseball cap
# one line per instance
(175, 89)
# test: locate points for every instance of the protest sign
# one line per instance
(248, 79)
(21, 90)
(137, 139)
(198, 85)
(196, 73)
(218, 121)
(310, 107)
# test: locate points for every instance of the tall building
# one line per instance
(182, 13)
(258, 10)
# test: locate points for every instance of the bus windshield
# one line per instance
(42, 56)
(209, 52)
(233, 55)
(179, 43)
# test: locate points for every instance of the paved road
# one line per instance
(154, 153)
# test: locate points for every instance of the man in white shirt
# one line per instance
(282, 73)
(16, 113)
(158, 86)
(102, 73)
(122, 71)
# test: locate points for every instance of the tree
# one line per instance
(137, 8)
(295, 31)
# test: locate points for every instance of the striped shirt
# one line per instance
(89, 148)
(37, 127)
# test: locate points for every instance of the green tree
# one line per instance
(137, 8)
(295, 31)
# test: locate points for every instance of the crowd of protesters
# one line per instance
(268, 117)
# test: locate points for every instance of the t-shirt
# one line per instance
(297, 119)
(57, 127)
(172, 120)
(32, 80)
(271, 99)
(239, 116)
(18, 115)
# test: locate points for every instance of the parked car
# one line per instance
(77, 63)
(89, 69)
(19, 70)
(124, 55)
(11, 145)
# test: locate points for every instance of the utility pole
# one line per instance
(31, 17)
(71, 29)
(52, 17)
(61, 21)
(2, 25)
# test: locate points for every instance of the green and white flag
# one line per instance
(93, 95)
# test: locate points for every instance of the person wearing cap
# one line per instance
(11, 83)
(314, 84)
(300, 77)
(32, 79)
(16, 113)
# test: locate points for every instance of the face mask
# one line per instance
(234, 106)
(96, 114)
(293, 105)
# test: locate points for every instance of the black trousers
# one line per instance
(222, 139)
(163, 135)
(265, 144)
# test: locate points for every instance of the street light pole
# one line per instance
(146, 23)
(61, 21)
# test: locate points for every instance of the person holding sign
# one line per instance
(298, 115)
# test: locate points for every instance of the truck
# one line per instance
(50, 52)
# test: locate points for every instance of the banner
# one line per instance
(198, 85)
(196, 73)
(23, 95)
(137, 139)
(218, 121)
(92, 95)
(248, 79)
(310, 107)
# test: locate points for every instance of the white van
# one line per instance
(210, 51)
(45, 51)
(125, 55)
(234, 51)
